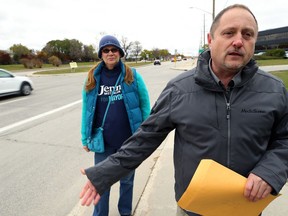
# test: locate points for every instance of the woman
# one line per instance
(129, 107)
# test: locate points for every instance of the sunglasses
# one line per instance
(113, 50)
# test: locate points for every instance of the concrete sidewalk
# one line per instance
(184, 65)
(158, 197)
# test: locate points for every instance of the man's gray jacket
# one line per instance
(246, 131)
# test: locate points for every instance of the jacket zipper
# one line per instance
(228, 109)
(227, 96)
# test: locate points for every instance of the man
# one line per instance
(225, 109)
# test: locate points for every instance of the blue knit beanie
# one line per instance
(109, 40)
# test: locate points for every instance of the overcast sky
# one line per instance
(163, 24)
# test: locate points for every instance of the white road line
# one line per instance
(13, 101)
(38, 116)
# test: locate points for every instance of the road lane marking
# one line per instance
(16, 100)
(3, 129)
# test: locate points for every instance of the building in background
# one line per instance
(272, 39)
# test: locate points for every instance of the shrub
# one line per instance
(55, 61)
(31, 63)
(37, 63)
(5, 58)
(276, 53)
(26, 62)
(271, 54)
(265, 57)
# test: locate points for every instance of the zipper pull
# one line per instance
(228, 111)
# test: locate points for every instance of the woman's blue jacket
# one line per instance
(135, 96)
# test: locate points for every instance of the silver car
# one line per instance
(11, 84)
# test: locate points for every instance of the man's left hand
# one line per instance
(256, 188)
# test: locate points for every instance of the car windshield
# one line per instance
(4, 74)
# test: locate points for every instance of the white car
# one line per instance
(259, 54)
(11, 84)
(157, 62)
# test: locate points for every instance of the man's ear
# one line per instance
(209, 39)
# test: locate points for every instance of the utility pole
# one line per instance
(213, 10)
(204, 32)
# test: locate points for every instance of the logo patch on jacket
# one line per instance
(252, 111)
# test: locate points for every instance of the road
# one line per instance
(41, 152)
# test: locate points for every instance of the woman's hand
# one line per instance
(86, 148)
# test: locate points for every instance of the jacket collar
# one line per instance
(204, 78)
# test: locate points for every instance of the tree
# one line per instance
(59, 48)
(66, 50)
(156, 53)
(126, 45)
(164, 53)
(75, 50)
(136, 49)
(19, 51)
(146, 54)
(89, 53)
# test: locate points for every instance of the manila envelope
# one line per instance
(216, 190)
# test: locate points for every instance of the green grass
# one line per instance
(272, 62)
(283, 75)
(17, 67)
(65, 68)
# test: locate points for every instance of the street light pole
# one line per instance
(212, 14)
(204, 32)
(213, 11)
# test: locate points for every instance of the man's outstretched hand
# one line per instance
(89, 193)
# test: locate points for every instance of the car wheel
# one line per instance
(25, 89)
